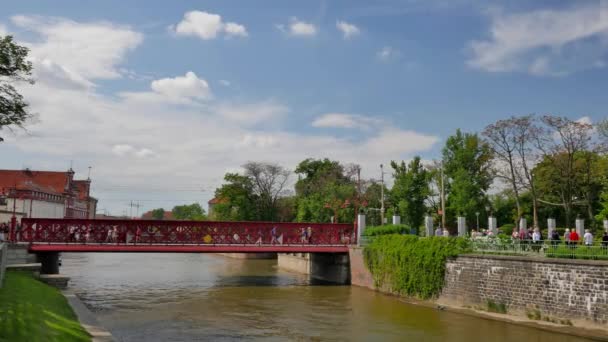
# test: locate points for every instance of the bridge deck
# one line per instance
(178, 248)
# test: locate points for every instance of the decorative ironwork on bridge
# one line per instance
(199, 233)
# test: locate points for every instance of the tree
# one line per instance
(158, 214)
(410, 190)
(560, 144)
(467, 163)
(238, 202)
(503, 137)
(192, 212)
(268, 182)
(13, 68)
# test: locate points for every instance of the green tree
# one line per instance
(325, 188)
(467, 163)
(410, 190)
(13, 68)
(192, 212)
(268, 184)
(158, 214)
(237, 199)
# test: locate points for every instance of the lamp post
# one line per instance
(477, 214)
(381, 194)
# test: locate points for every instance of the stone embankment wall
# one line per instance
(3, 257)
(558, 288)
(325, 267)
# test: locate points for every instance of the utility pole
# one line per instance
(382, 195)
(132, 205)
(442, 194)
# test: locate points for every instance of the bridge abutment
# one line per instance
(325, 267)
(49, 262)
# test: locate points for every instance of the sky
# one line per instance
(160, 99)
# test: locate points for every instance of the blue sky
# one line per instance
(171, 95)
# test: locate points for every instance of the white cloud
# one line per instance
(225, 83)
(188, 89)
(207, 26)
(387, 54)
(342, 120)
(347, 29)
(126, 150)
(269, 112)
(79, 51)
(3, 30)
(298, 28)
(543, 42)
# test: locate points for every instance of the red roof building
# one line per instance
(167, 215)
(45, 194)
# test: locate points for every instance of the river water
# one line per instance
(204, 297)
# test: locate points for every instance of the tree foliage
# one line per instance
(410, 190)
(13, 68)
(158, 214)
(237, 199)
(192, 211)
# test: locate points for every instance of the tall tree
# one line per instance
(192, 211)
(410, 190)
(503, 136)
(13, 68)
(237, 200)
(268, 182)
(563, 140)
(467, 162)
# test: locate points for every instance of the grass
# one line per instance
(33, 311)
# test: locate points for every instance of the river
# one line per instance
(204, 297)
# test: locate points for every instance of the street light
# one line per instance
(477, 214)
(382, 195)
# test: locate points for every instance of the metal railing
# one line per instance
(550, 249)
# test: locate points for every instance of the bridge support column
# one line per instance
(50, 262)
(330, 268)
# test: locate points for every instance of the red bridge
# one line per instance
(81, 235)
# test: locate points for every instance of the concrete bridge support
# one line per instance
(325, 267)
(49, 262)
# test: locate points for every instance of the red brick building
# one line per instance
(45, 194)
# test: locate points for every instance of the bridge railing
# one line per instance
(85, 231)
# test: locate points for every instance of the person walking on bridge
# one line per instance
(273, 234)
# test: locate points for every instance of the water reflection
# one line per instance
(194, 297)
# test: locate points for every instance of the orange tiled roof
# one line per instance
(216, 200)
(166, 216)
(44, 181)
(83, 189)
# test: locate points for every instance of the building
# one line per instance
(44, 194)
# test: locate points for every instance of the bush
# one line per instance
(507, 228)
(386, 229)
(410, 265)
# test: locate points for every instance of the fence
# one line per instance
(550, 249)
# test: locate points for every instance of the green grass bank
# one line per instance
(33, 311)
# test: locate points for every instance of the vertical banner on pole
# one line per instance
(428, 224)
(550, 226)
(462, 226)
(580, 227)
(606, 225)
(396, 219)
(360, 227)
(523, 224)
(492, 225)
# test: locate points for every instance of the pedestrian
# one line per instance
(109, 234)
(574, 238)
(554, 237)
(515, 234)
(137, 234)
(446, 232)
(303, 236)
(273, 234)
(536, 239)
(438, 231)
(2, 232)
(588, 238)
(605, 240)
(567, 237)
(309, 234)
(260, 238)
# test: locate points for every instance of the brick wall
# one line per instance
(560, 288)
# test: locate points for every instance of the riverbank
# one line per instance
(460, 285)
(33, 311)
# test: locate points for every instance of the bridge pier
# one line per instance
(49, 262)
(324, 267)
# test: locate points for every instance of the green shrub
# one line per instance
(497, 307)
(386, 229)
(507, 228)
(410, 265)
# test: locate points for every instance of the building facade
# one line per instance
(44, 194)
